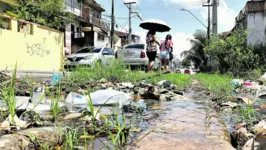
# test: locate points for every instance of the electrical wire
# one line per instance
(180, 5)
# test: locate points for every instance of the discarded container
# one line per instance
(76, 99)
(109, 97)
(99, 98)
(247, 83)
(56, 78)
(237, 82)
(38, 95)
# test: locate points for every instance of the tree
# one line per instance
(232, 53)
(196, 53)
(49, 13)
(186, 63)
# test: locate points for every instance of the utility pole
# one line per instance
(130, 12)
(209, 20)
(214, 17)
(112, 25)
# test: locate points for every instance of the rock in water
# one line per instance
(165, 83)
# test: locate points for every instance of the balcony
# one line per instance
(100, 23)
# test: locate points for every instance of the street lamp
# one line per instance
(183, 9)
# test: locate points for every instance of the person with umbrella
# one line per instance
(153, 26)
(151, 48)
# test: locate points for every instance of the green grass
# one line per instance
(9, 94)
(181, 80)
(219, 85)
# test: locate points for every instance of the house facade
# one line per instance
(253, 19)
(87, 29)
(124, 38)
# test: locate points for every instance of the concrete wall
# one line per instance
(256, 23)
(104, 43)
(39, 51)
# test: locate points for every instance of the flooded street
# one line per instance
(187, 124)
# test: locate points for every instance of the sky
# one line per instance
(182, 23)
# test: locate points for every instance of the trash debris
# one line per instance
(257, 143)
(76, 99)
(237, 82)
(56, 78)
(127, 85)
(109, 97)
(164, 83)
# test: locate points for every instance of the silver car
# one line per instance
(135, 55)
(88, 56)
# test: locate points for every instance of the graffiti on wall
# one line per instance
(37, 50)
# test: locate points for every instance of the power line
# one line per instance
(190, 4)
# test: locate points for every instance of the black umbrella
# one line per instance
(156, 25)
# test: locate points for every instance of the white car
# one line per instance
(135, 55)
(87, 56)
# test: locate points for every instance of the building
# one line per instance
(124, 38)
(87, 29)
(253, 19)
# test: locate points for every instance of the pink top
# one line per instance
(166, 45)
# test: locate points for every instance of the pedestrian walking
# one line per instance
(151, 49)
(165, 49)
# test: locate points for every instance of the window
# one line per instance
(106, 50)
(24, 27)
(100, 37)
(111, 51)
(97, 50)
(84, 50)
(5, 23)
(136, 46)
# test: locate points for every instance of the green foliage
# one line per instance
(8, 94)
(219, 85)
(181, 80)
(196, 53)
(71, 138)
(115, 71)
(45, 12)
(232, 54)
(122, 131)
(186, 63)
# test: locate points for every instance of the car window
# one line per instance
(84, 50)
(97, 50)
(136, 46)
(111, 51)
(105, 50)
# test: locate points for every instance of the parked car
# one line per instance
(135, 55)
(88, 56)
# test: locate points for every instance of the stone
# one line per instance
(21, 140)
(103, 80)
(72, 116)
(238, 138)
(5, 125)
(150, 116)
(230, 104)
(165, 83)
(260, 127)
(257, 143)
(164, 91)
(178, 92)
